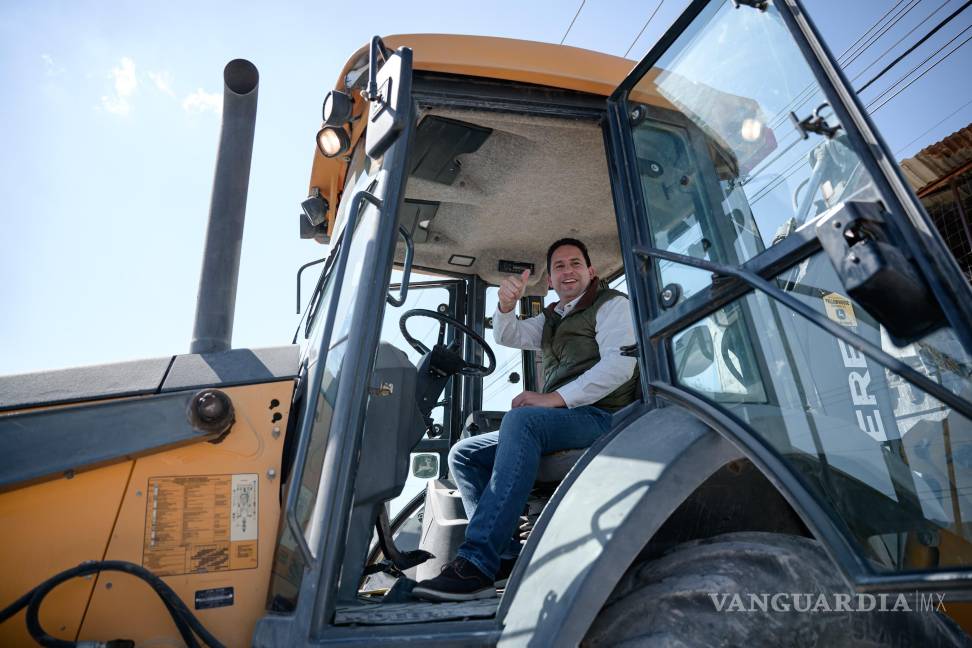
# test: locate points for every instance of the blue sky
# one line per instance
(110, 122)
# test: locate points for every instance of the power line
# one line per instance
(930, 68)
(913, 47)
(905, 11)
(784, 148)
(644, 27)
(793, 168)
(571, 25)
(865, 34)
(899, 41)
(934, 126)
(500, 379)
(854, 52)
(862, 44)
(900, 79)
(784, 175)
(812, 90)
(865, 42)
(803, 97)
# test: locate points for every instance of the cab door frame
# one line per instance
(311, 620)
(909, 221)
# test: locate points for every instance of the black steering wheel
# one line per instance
(455, 359)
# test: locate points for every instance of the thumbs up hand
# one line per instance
(511, 290)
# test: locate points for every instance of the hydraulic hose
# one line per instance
(185, 621)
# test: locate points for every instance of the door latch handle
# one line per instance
(875, 273)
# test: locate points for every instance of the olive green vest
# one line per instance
(570, 348)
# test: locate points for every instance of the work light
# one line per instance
(333, 141)
(337, 108)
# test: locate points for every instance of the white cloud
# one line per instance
(201, 101)
(163, 82)
(116, 105)
(50, 67)
(125, 84)
(125, 81)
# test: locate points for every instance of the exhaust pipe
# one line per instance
(216, 300)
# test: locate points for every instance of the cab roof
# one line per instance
(506, 59)
(557, 66)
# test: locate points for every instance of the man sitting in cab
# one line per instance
(586, 379)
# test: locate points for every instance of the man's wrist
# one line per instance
(569, 395)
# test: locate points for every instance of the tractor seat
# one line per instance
(555, 466)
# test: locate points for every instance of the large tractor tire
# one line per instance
(667, 602)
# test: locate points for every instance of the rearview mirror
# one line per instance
(389, 92)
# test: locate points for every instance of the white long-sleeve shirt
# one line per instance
(613, 330)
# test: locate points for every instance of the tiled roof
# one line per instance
(940, 159)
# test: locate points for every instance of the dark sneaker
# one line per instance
(460, 580)
(504, 571)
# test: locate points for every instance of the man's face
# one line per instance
(569, 273)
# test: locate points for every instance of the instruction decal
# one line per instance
(840, 309)
(200, 524)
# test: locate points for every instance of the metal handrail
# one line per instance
(300, 271)
(406, 271)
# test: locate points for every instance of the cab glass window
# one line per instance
(725, 171)
(428, 292)
(504, 384)
(890, 461)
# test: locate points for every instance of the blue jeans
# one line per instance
(494, 472)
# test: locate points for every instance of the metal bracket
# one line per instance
(762, 5)
(815, 123)
(376, 49)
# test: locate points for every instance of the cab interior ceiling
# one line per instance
(521, 182)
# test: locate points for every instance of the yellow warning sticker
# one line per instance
(201, 523)
(840, 309)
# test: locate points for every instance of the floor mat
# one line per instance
(414, 612)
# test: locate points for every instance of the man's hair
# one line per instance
(567, 241)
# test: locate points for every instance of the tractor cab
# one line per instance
(803, 344)
(487, 190)
(787, 289)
